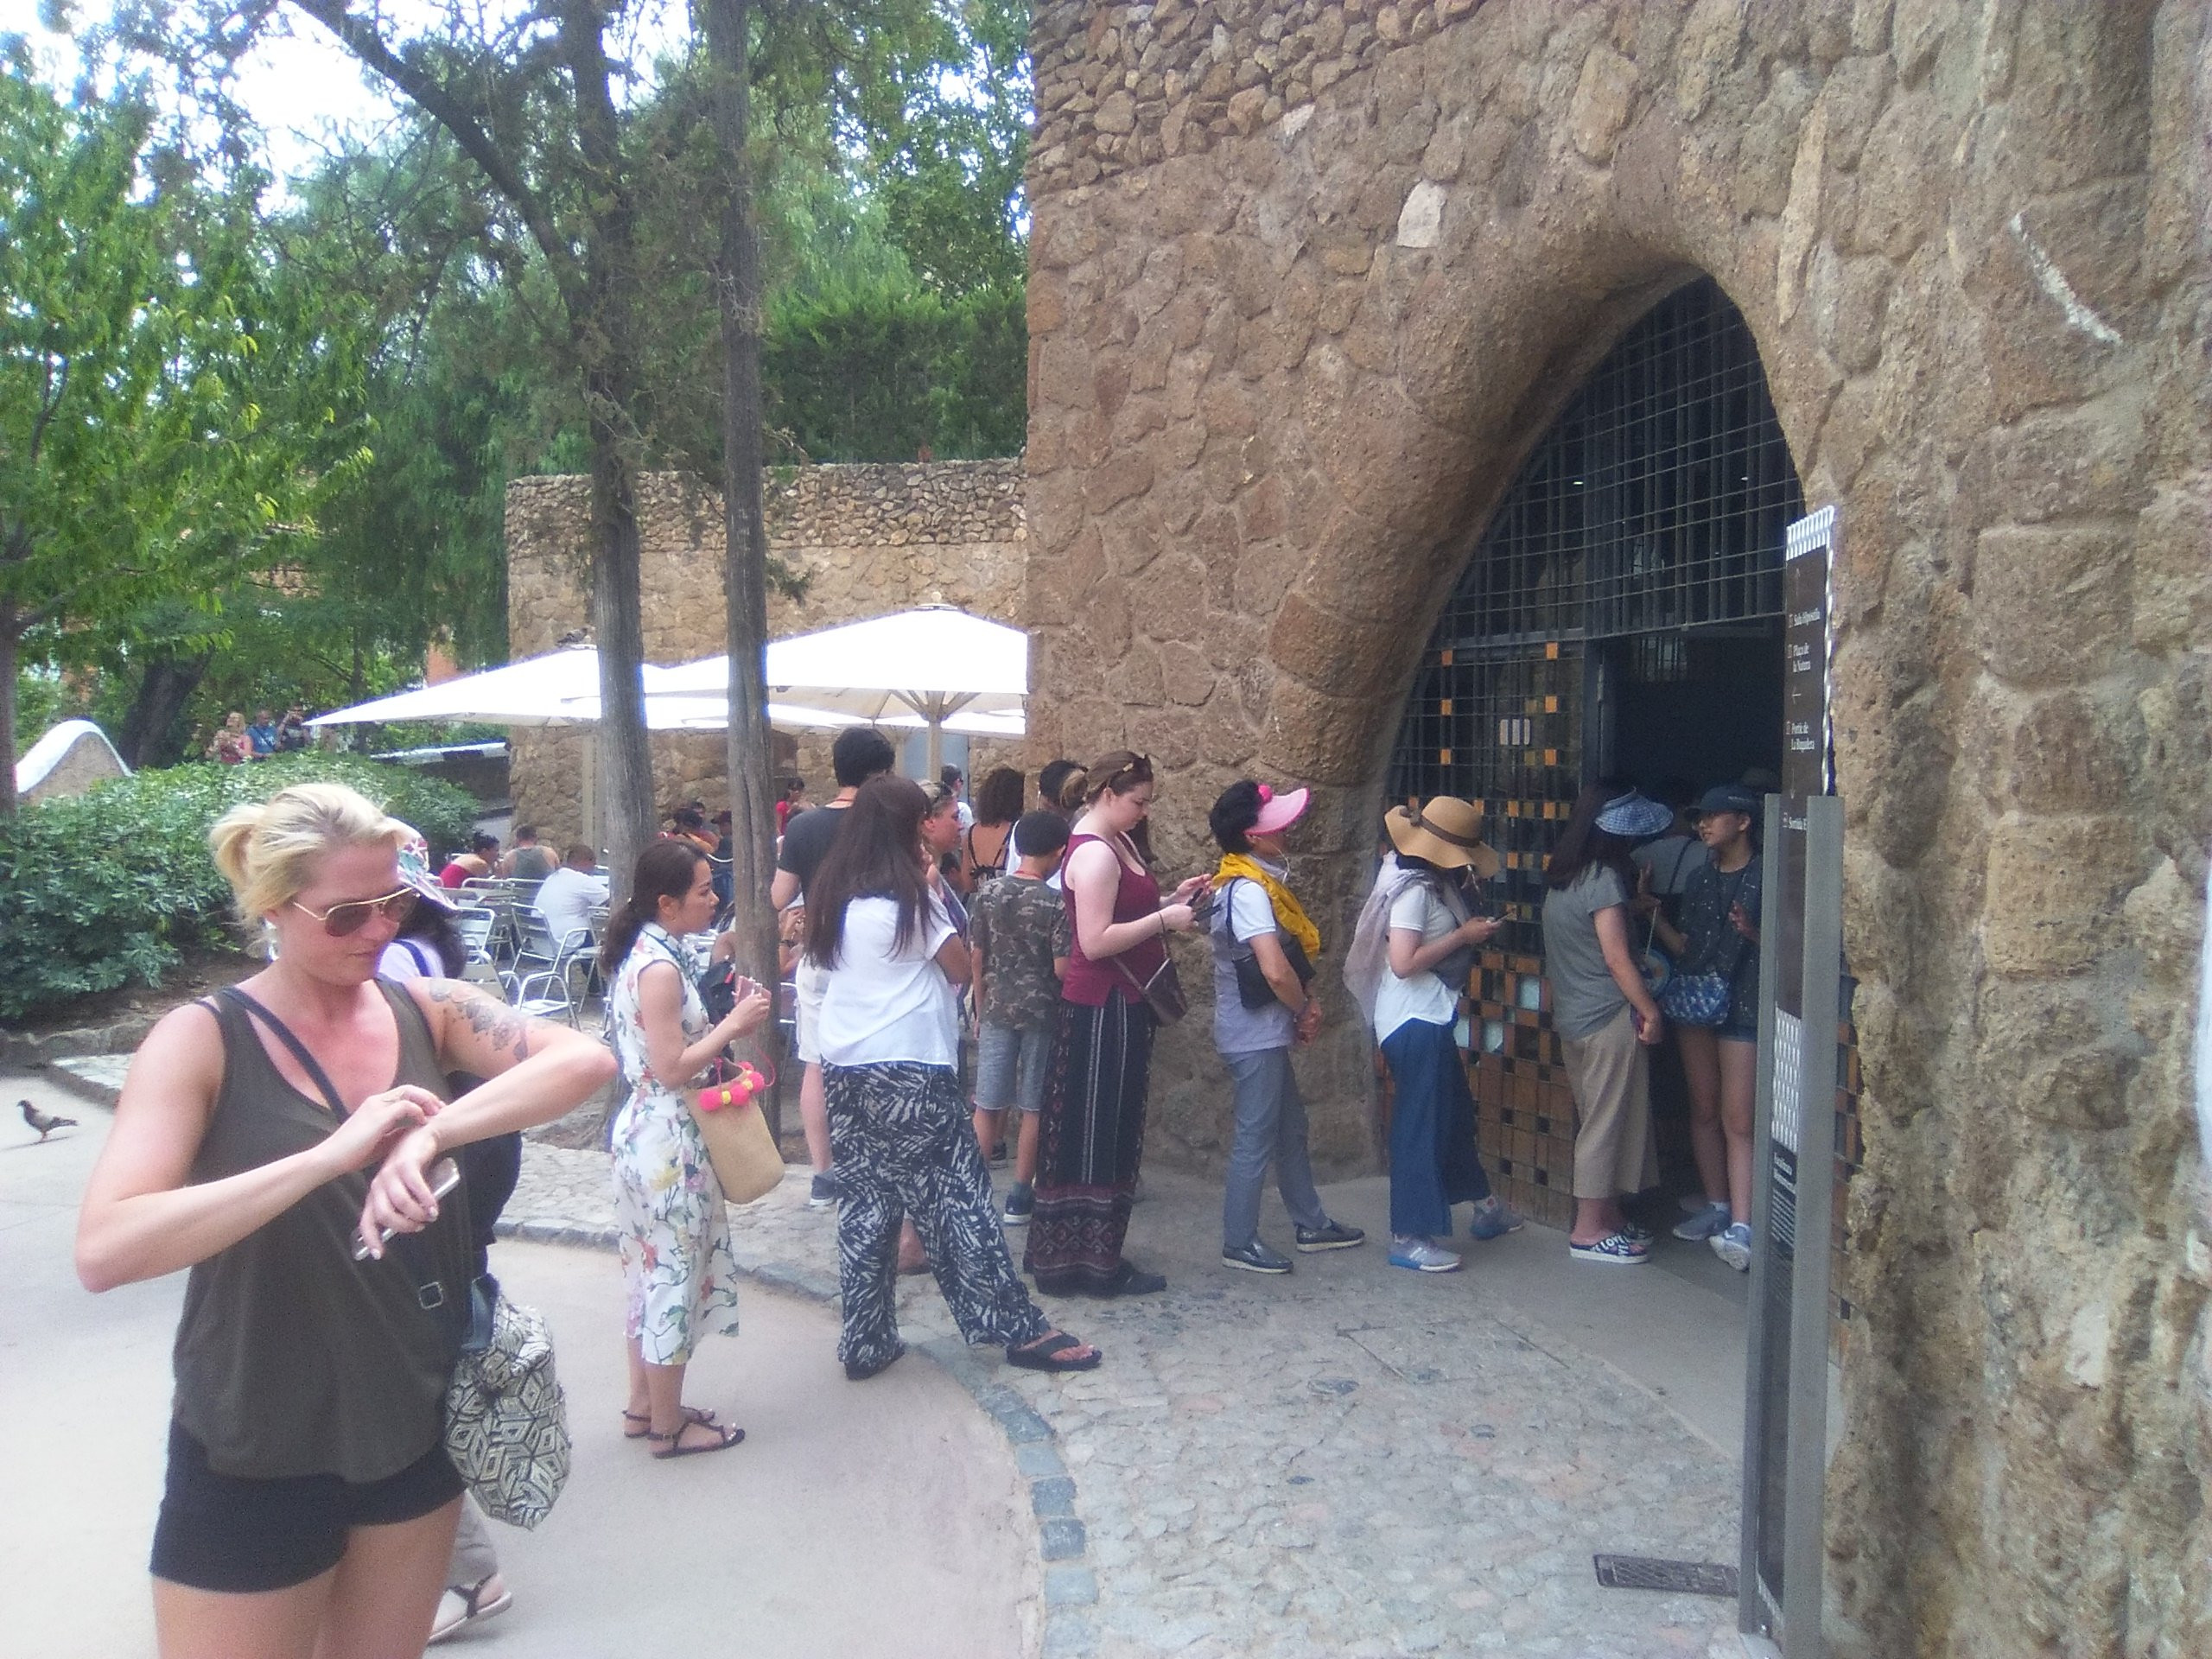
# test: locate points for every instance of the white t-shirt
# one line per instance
(400, 960)
(1425, 996)
(565, 899)
(878, 1007)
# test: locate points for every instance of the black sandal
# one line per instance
(692, 1415)
(1049, 1353)
(669, 1445)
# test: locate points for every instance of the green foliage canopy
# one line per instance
(171, 407)
(109, 888)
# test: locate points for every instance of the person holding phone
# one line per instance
(1436, 922)
(676, 1266)
(1092, 1137)
(1603, 1015)
(309, 1502)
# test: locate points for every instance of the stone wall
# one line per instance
(1308, 281)
(859, 540)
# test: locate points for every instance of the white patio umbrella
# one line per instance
(558, 689)
(535, 691)
(926, 667)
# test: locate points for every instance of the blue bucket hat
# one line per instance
(1634, 816)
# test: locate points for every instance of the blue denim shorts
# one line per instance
(1011, 1067)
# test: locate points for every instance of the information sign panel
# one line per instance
(1799, 975)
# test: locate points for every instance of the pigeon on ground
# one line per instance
(44, 1124)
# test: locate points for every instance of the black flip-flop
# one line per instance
(1046, 1354)
(692, 1415)
(670, 1444)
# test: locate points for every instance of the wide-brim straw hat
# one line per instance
(1446, 831)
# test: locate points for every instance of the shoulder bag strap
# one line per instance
(284, 1034)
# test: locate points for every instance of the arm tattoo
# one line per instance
(490, 1018)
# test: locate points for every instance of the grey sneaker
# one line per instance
(1422, 1256)
(1255, 1257)
(1493, 1219)
(1329, 1235)
(823, 1193)
(1734, 1245)
(1714, 1218)
(1020, 1205)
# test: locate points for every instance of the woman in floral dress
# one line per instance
(677, 1266)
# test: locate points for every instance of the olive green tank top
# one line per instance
(292, 1358)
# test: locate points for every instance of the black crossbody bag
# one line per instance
(1253, 990)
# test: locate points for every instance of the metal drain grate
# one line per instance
(1678, 1578)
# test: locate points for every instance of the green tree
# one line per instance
(947, 171)
(141, 458)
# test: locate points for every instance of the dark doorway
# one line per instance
(1703, 708)
(1620, 615)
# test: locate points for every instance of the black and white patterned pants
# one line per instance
(900, 1137)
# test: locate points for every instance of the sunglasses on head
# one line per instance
(341, 921)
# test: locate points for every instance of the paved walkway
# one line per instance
(1355, 1461)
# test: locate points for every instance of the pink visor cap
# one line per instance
(1278, 812)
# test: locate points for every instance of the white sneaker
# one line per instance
(1733, 1245)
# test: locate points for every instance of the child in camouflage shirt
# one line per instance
(1019, 941)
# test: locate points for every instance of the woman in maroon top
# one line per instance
(1092, 1135)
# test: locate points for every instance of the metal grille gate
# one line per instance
(1653, 510)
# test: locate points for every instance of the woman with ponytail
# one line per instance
(261, 1134)
(677, 1268)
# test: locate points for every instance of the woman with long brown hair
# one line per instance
(678, 1271)
(876, 925)
(987, 850)
(1091, 1139)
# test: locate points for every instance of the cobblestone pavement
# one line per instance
(1353, 1461)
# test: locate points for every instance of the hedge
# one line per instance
(110, 887)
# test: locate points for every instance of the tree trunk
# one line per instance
(745, 571)
(605, 343)
(148, 737)
(10, 638)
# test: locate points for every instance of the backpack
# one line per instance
(1367, 958)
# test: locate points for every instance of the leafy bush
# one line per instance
(873, 371)
(110, 887)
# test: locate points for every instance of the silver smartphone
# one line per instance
(445, 1175)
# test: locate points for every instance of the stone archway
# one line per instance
(1309, 280)
(1619, 614)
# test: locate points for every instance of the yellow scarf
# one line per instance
(1290, 916)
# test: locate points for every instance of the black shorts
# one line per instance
(227, 1532)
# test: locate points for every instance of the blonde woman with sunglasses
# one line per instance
(309, 1506)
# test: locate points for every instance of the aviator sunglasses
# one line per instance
(341, 921)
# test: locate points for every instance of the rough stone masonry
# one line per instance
(1309, 280)
(853, 541)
